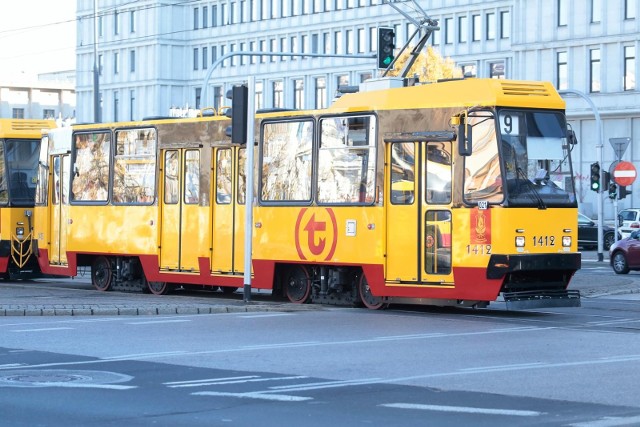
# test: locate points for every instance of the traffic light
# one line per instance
(239, 96)
(606, 179)
(595, 177)
(623, 192)
(386, 46)
(613, 189)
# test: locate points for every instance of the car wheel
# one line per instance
(619, 263)
(608, 241)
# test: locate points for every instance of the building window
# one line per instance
(132, 61)
(629, 67)
(198, 97)
(596, 11)
(116, 23)
(469, 70)
(263, 48)
(18, 113)
(278, 92)
(361, 40)
(562, 71)
(100, 26)
(630, 9)
(463, 31)
(100, 64)
(293, 47)
(232, 13)
(196, 18)
(205, 16)
(349, 40)
(223, 14)
(116, 63)
(195, 58)
(476, 30)
(218, 101)
(314, 43)
(298, 94)
(205, 58)
(48, 114)
(252, 48)
(259, 96)
(448, 31)
(214, 15)
(232, 49)
(435, 38)
(505, 25)
(283, 47)
(326, 43)
(337, 47)
(594, 70)
(364, 77)
(116, 105)
(491, 26)
(321, 92)
(496, 70)
(563, 12)
(132, 21)
(132, 104)
(272, 46)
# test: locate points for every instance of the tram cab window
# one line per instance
(438, 173)
(347, 160)
(483, 178)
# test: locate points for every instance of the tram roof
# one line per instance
(24, 128)
(455, 93)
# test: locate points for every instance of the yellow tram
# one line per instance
(19, 146)
(452, 193)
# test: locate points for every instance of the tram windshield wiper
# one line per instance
(534, 192)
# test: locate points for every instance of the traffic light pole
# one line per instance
(600, 157)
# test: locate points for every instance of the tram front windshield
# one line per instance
(521, 159)
(18, 164)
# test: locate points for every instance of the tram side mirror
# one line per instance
(464, 134)
(571, 137)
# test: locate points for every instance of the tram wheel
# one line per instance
(158, 288)
(101, 274)
(369, 301)
(228, 290)
(298, 284)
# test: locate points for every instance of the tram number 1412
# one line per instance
(479, 249)
(544, 241)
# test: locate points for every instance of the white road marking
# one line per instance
(255, 316)
(610, 422)
(253, 395)
(41, 329)
(10, 365)
(170, 383)
(238, 381)
(102, 386)
(152, 322)
(463, 409)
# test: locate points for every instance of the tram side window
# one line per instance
(134, 175)
(192, 177)
(438, 172)
(91, 166)
(4, 193)
(286, 161)
(171, 188)
(347, 160)
(402, 173)
(242, 176)
(223, 176)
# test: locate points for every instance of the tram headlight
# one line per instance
(20, 232)
(519, 241)
(566, 241)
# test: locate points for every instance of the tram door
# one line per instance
(179, 210)
(59, 209)
(228, 211)
(418, 213)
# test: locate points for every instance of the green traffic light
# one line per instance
(387, 60)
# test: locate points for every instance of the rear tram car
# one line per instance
(19, 147)
(454, 193)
